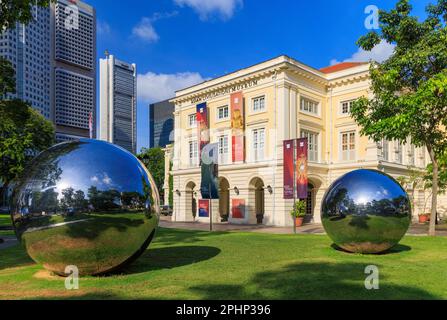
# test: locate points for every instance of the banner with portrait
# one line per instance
(203, 127)
(289, 169)
(238, 126)
(210, 171)
(302, 181)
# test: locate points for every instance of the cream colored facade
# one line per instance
(285, 87)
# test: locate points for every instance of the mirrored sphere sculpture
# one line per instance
(366, 211)
(88, 204)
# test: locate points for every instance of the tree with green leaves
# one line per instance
(12, 11)
(24, 132)
(154, 160)
(410, 87)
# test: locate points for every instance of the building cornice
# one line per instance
(227, 87)
(249, 78)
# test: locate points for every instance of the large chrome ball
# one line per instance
(366, 211)
(87, 204)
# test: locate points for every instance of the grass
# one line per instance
(200, 265)
(5, 221)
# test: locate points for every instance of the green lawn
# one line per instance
(200, 265)
(5, 220)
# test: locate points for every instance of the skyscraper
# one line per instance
(161, 124)
(54, 58)
(74, 61)
(28, 48)
(118, 92)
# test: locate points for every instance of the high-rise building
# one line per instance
(74, 64)
(28, 48)
(161, 124)
(54, 60)
(118, 95)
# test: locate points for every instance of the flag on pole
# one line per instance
(302, 168)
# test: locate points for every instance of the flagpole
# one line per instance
(211, 208)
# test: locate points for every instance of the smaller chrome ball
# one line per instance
(366, 211)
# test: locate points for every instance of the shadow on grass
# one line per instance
(14, 257)
(169, 258)
(176, 236)
(313, 281)
(396, 249)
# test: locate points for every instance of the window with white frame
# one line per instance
(386, 150)
(346, 107)
(224, 151)
(348, 145)
(192, 120)
(193, 153)
(309, 106)
(412, 155)
(258, 144)
(313, 144)
(399, 152)
(258, 104)
(223, 113)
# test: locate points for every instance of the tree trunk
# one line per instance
(434, 199)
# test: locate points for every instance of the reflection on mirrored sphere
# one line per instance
(366, 211)
(88, 204)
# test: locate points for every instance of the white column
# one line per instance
(293, 114)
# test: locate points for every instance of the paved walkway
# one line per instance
(9, 241)
(416, 230)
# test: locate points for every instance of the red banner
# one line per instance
(238, 211)
(204, 208)
(202, 127)
(302, 180)
(238, 126)
(289, 153)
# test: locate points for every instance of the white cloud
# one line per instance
(154, 87)
(145, 28)
(103, 28)
(380, 53)
(206, 8)
(145, 31)
(107, 179)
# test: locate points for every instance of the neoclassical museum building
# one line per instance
(282, 99)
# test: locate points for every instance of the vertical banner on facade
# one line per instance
(302, 168)
(204, 208)
(238, 126)
(210, 171)
(289, 170)
(202, 126)
(238, 209)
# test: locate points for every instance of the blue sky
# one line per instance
(176, 43)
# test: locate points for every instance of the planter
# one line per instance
(424, 219)
(299, 222)
(260, 219)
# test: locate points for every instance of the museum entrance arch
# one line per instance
(257, 201)
(191, 201)
(311, 200)
(224, 199)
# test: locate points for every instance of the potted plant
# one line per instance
(424, 218)
(299, 212)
